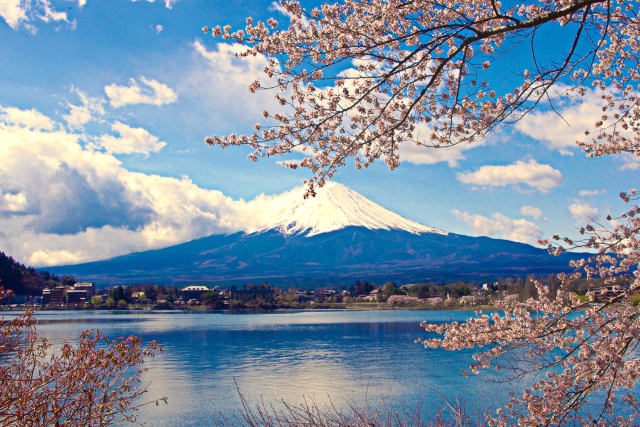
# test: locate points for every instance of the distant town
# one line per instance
(363, 294)
(24, 286)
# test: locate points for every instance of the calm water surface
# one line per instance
(342, 356)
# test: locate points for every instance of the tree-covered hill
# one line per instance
(23, 280)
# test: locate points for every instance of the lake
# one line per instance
(329, 356)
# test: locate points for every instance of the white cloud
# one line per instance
(89, 109)
(61, 257)
(18, 13)
(86, 206)
(499, 225)
(533, 212)
(167, 3)
(583, 212)
(30, 119)
(10, 202)
(78, 116)
(584, 193)
(155, 93)
(13, 12)
(539, 176)
(630, 162)
(577, 114)
(219, 80)
(130, 141)
(240, 70)
(420, 155)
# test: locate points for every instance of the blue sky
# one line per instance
(103, 111)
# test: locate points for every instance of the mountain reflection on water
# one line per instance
(328, 356)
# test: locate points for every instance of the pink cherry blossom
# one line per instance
(357, 78)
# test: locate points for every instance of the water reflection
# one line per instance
(338, 356)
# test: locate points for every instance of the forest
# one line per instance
(24, 280)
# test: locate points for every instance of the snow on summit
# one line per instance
(335, 206)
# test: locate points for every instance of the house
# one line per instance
(481, 296)
(301, 296)
(373, 296)
(324, 292)
(46, 295)
(20, 299)
(193, 292)
(76, 296)
(57, 294)
(138, 295)
(607, 292)
(10, 298)
(81, 292)
(90, 288)
(468, 300)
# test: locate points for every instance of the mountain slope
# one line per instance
(334, 258)
(24, 280)
(333, 239)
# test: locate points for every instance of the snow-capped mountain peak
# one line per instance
(334, 207)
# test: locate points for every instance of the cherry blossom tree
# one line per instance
(93, 382)
(356, 79)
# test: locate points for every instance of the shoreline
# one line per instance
(203, 309)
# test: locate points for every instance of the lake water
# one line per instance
(338, 356)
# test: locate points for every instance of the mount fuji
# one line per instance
(333, 208)
(335, 238)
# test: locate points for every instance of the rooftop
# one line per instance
(195, 288)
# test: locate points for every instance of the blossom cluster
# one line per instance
(580, 347)
(356, 79)
(404, 300)
(93, 382)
